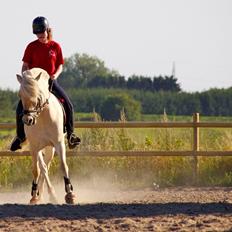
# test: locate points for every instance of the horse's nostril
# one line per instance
(31, 121)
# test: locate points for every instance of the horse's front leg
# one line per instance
(44, 173)
(36, 173)
(48, 154)
(61, 151)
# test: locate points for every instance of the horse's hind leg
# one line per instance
(44, 172)
(61, 151)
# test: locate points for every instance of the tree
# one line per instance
(8, 101)
(80, 69)
(166, 84)
(113, 105)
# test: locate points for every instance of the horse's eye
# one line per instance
(38, 102)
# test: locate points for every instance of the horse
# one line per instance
(44, 128)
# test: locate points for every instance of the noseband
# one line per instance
(37, 110)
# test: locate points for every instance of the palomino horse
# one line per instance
(43, 123)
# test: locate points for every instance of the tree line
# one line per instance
(214, 102)
(84, 71)
(93, 87)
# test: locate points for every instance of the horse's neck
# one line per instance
(53, 109)
(54, 98)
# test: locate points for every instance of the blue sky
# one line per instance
(142, 37)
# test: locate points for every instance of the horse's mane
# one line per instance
(30, 87)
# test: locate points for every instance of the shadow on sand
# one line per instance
(112, 210)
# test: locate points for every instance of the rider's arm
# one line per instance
(58, 72)
(25, 66)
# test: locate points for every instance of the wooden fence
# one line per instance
(195, 125)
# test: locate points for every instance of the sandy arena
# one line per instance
(168, 209)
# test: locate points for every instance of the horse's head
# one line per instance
(34, 93)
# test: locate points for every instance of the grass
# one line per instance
(134, 172)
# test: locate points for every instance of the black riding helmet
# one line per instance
(40, 25)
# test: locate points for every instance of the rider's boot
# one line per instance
(21, 137)
(73, 140)
(16, 144)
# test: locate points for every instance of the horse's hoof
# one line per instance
(70, 198)
(34, 200)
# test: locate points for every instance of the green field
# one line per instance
(133, 172)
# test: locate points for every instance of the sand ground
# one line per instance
(167, 209)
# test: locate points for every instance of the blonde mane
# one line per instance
(31, 87)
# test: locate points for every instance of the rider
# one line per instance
(45, 53)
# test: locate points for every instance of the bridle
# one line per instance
(34, 113)
(38, 109)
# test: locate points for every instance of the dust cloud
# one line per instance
(94, 190)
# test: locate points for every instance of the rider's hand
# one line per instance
(53, 77)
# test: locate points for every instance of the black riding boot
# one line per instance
(73, 140)
(21, 137)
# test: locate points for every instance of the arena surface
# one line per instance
(168, 209)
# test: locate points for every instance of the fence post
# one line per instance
(195, 147)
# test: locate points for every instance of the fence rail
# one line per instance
(195, 152)
(195, 125)
(140, 125)
(128, 153)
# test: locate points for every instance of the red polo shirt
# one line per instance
(46, 56)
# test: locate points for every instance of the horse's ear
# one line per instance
(19, 78)
(38, 77)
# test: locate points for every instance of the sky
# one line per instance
(141, 37)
